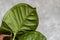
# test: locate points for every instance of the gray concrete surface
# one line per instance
(48, 12)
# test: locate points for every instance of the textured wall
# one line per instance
(48, 11)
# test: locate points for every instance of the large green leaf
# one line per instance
(21, 17)
(33, 35)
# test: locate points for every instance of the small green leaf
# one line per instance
(21, 17)
(33, 35)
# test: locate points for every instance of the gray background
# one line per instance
(48, 12)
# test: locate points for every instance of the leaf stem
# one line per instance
(14, 36)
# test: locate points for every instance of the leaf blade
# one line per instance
(33, 35)
(20, 15)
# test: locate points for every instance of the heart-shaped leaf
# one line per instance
(33, 35)
(21, 17)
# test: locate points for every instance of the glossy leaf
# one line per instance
(32, 36)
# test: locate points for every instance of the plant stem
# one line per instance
(14, 36)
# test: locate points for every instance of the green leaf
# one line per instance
(33, 35)
(21, 17)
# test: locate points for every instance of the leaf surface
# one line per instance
(21, 17)
(33, 35)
